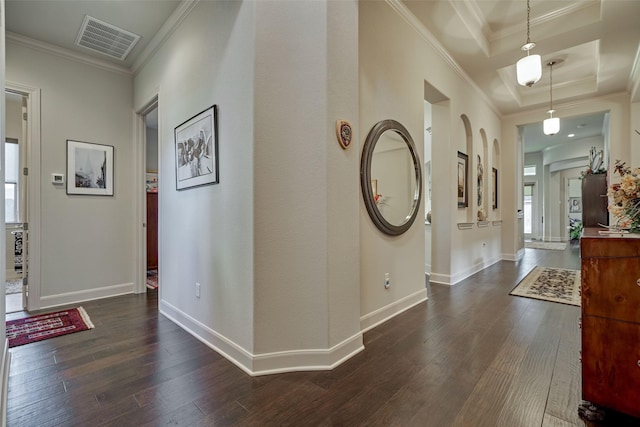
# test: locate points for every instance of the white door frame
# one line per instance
(140, 196)
(33, 189)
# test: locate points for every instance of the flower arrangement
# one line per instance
(625, 197)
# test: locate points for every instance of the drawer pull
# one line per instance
(638, 282)
(639, 363)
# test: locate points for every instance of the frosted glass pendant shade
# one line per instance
(529, 70)
(551, 126)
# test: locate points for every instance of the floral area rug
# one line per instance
(556, 246)
(43, 326)
(551, 284)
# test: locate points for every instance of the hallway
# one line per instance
(471, 356)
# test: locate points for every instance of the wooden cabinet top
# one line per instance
(593, 244)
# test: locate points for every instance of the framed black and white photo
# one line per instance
(89, 168)
(575, 204)
(463, 172)
(495, 188)
(197, 150)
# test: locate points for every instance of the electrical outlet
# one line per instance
(387, 281)
(197, 290)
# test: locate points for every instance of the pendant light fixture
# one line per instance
(529, 68)
(551, 126)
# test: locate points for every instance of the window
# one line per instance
(528, 209)
(11, 175)
(530, 170)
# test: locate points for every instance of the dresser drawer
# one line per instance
(611, 364)
(611, 288)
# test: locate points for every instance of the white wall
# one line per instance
(86, 241)
(206, 232)
(275, 244)
(576, 150)
(306, 186)
(634, 159)
(428, 182)
(152, 149)
(13, 116)
(393, 88)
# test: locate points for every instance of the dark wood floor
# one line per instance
(471, 356)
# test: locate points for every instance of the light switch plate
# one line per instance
(57, 178)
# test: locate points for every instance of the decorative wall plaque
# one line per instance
(344, 133)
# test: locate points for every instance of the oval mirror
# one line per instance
(390, 177)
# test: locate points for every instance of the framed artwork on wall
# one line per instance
(480, 181)
(89, 168)
(463, 172)
(197, 150)
(575, 204)
(495, 188)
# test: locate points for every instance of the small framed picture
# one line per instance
(89, 168)
(575, 204)
(463, 172)
(495, 188)
(197, 150)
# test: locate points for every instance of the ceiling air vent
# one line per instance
(106, 38)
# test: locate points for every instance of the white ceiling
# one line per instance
(57, 22)
(598, 41)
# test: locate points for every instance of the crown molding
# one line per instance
(168, 28)
(634, 78)
(471, 15)
(419, 27)
(64, 53)
(562, 13)
(611, 97)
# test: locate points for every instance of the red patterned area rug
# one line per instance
(48, 325)
(152, 279)
(551, 284)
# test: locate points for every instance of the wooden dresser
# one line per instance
(611, 320)
(595, 200)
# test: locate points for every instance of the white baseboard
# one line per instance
(441, 279)
(4, 378)
(85, 295)
(451, 280)
(381, 315)
(514, 257)
(265, 363)
(460, 276)
(307, 360)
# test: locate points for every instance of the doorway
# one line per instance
(427, 187)
(151, 199)
(15, 200)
